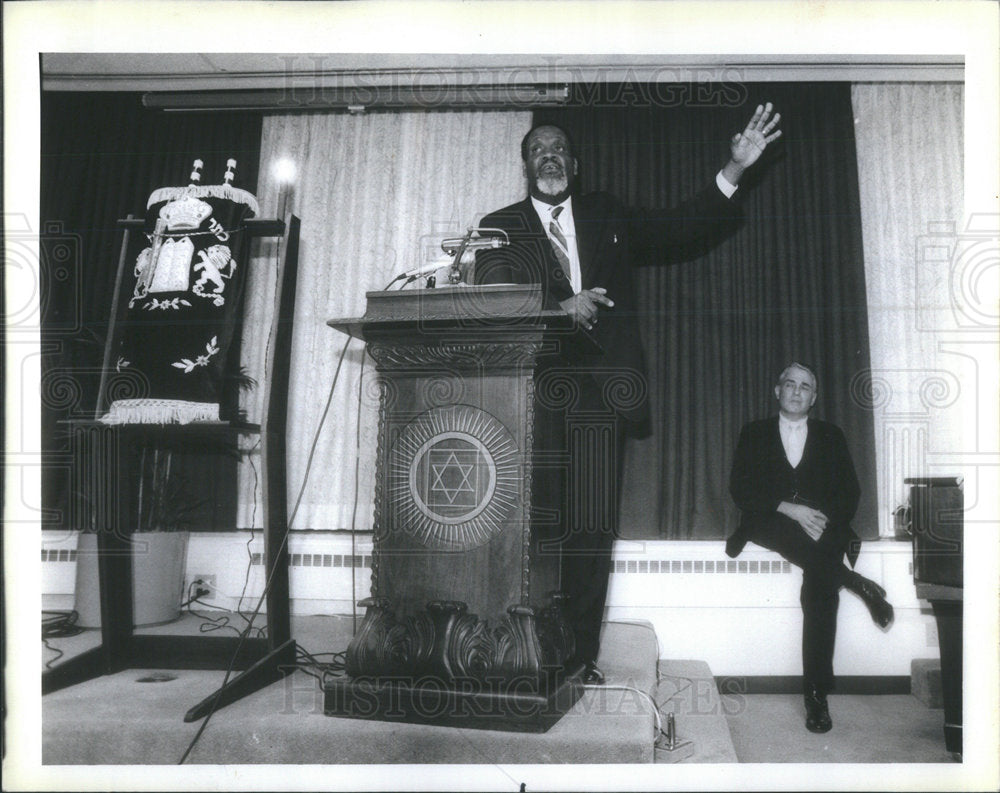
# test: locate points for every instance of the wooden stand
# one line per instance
(105, 454)
(465, 623)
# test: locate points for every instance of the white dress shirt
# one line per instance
(793, 438)
(726, 187)
(568, 227)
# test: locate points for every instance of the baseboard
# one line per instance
(792, 684)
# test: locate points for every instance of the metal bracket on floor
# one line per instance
(669, 748)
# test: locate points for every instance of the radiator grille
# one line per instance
(58, 555)
(621, 566)
(702, 566)
(321, 560)
(294, 560)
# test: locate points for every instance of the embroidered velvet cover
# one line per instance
(186, 288)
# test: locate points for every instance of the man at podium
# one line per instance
(581, 249)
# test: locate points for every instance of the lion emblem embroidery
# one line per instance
(216, 266)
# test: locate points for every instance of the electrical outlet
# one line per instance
(207, 581)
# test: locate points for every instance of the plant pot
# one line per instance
(87, 601)
(158, 564)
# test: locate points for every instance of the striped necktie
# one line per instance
(559, 245)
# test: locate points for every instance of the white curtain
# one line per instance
(910, 144)
(376, 193)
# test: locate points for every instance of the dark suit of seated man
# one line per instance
(794, 482)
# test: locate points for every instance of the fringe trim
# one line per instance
(225, 191)
(159, 411)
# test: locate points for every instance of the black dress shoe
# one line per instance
(592, 674)
(817, 712)
(874, 597)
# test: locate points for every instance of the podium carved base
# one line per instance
(446, 666)
(448, 642)
(528, 705)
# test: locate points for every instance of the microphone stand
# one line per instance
(455, 274)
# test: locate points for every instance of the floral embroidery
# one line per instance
(174, 304)
(202, 360)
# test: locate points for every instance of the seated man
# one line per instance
(794, 482)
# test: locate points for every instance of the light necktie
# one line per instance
(796, 443)
(559, 245)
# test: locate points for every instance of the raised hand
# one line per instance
(746, 147)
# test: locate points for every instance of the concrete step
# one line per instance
(117, 719)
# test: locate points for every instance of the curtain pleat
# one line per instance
(719, 326)
(376, 194)
(910, 166)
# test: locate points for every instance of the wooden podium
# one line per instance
(464, 625)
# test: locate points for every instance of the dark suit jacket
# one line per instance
(824, 478)
(611, 238)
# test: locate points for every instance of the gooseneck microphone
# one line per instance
(475, 239)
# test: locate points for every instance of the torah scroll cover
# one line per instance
(186, 289)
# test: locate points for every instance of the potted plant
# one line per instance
(87, 590)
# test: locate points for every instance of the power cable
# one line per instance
(57, 625)
(357, 487)
(283, 544)
(253, 522)
(640, 692)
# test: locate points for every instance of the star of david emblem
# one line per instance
(451, 477)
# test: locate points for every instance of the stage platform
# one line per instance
(119, 719)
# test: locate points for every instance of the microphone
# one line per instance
(492, 240)
(416, 272)
(456, 248)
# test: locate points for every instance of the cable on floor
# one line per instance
(60, 623)
(311, 664)
(659, 677)
(56, 625)
(640, 692)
